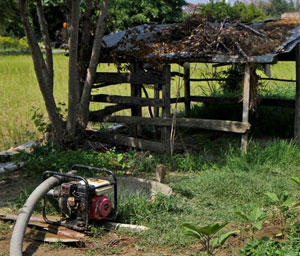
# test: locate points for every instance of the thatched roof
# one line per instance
(197, 40)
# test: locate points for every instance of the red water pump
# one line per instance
(84, 199)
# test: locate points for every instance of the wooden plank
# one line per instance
(137, 77)
(211, 79)
(128, 100)
(95, 116)
(166, 110)
(102, 85)
(156, 96)
(122, 140)
(177, 100)
(209, 124)
(234, 100)
(222, 100)
(187, 89)
(297, 99)
(136, 91)
(277, 79)
(246, 102)
(177, 74)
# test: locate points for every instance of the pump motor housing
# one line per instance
(82, 200)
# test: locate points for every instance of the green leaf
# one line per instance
(206, 230)
(119, 157)
(288, 203)
(192, 233)
(242, 215)
(223, 238)
(215, 242)
(296, 205)
(273, 197)
(296, 180)
(258, 225)
(256, 214)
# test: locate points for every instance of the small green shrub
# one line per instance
(9, 43)
(254, 219)
(209, 236)
(283, 202)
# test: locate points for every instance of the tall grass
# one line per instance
(19, 92)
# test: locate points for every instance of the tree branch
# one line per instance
(85, 98)
(41, 72)
(47, 42)
(85, 51)
(73, 69)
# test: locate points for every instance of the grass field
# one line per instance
(19, 92)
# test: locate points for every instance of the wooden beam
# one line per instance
(277, 79)
(246, 104)
(211, 79)
(233, 100)
(209, 124)
(128, 100)
(102, 85)
(136, 91)
(156, 96)
(95, 116)
(177, 74)
(187, 89)
(177, 100)
(220, 100)
(297, 99)
(137, 77)
(166, 109)
(131, 142)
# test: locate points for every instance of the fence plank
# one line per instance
(209, 124)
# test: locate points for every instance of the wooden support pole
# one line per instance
(166, 110)
(187, 89)
(297, 99)
(246, 102)
(156, 96)
(136, 91)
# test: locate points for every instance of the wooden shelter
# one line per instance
(149, 50)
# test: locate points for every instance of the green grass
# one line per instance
(204, 191)
(19, 92)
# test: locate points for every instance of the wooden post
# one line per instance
(187, 89)
(297, 99)
(166, 110)
(156, 96)
(246, 102)
(136, 91)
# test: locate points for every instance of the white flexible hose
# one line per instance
(16, 242)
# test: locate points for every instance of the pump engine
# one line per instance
(82, 200)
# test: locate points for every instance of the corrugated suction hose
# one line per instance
(16, 242)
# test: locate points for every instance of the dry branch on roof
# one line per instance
(197, 36)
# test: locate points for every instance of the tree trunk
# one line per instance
(47, 42)
(41, 73)
(85, 98)
(73, 70)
